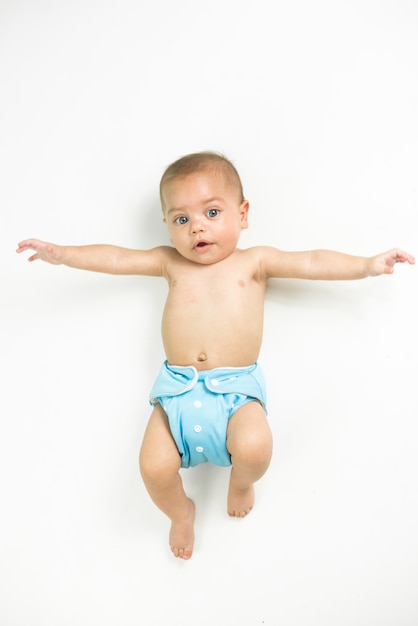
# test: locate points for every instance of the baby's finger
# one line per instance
(401, 257)
(24, 245)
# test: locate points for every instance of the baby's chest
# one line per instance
(222, 285)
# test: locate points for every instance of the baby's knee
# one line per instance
(157, 466)
(255, 452)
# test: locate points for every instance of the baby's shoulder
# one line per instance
(172, 260)
(250, 260)
(257, 254)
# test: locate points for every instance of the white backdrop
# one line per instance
(316, 104)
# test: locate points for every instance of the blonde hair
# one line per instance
(200, 162)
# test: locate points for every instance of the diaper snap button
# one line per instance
(214, 382)
(199, 449)
(197, 428)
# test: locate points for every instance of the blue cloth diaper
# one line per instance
(199, 404)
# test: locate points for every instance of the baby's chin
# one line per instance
(208, 254)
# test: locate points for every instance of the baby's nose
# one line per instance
(196, 225)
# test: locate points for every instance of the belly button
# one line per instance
(202, 357)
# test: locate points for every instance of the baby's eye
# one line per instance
(181, 220)
(213, 213)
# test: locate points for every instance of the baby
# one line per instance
(209, 398)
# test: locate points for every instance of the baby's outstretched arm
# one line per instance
(98, 257)
(328, 264)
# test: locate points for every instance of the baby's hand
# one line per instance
(48, 252)
(384, 263)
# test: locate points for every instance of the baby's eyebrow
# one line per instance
(214, 199)
(175, 210)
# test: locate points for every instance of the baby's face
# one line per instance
(204, 216)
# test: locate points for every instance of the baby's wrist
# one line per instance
(61, 255)
(371, 268)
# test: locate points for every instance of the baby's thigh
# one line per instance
(158, 449)
(249, 432)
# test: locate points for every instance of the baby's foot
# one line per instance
(240, 501)
(182, 534)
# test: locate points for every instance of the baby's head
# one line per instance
(207, 162)
(203, 206)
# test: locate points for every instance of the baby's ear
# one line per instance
(243, 212)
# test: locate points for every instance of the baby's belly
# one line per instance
(210, 351)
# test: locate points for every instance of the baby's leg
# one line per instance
(159, 462)
(249, 442)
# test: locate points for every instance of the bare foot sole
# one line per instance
(182, 534)
(240, 501)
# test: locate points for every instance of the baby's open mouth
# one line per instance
(202, 244)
